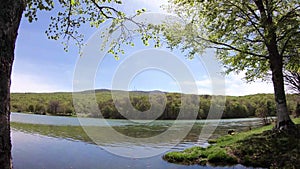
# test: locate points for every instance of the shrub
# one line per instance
(30, 108)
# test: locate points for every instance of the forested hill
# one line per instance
(62, 104)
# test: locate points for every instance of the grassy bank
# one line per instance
(260, 147)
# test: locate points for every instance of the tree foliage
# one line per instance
(73, 14)
(260, 105)
(258, 37)
(239, 30)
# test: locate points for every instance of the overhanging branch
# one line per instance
(250, 19)
(101, 8)
(287, 42)
(233, 48)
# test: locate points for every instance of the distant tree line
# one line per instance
(43, 103)
(259, 105)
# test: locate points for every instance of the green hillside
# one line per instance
(62, 104)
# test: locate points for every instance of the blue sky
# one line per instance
(41, 65)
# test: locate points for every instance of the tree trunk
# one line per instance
(10, 16)
(276, 64)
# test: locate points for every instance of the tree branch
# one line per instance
(233, 48)
(286, 43)
(252, 11)
(254, 41)
(288, 14)
(261, 9)
(250, 19)
(101, 8)
(69, 19)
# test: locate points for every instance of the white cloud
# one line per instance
(237, 87)
(234, 86)
(33, 83)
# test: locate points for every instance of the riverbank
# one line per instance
(260, 147)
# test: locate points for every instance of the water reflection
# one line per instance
(72, 130)
(60, 142)
(34, 151)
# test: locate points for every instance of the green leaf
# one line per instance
(72, 2)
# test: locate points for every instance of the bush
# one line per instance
(30, 108)
(68, 112)
(39, 109)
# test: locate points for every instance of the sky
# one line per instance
(41, 65)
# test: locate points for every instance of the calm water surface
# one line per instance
(42, 142)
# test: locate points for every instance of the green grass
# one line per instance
(252, 148)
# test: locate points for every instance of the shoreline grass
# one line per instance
(259, 147)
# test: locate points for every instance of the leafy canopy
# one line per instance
(72, 14)
(239, 30)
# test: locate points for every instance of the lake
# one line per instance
(52, 142)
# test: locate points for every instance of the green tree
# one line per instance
(71, 15)
(256, 36)
(39, 109)
(30, 108)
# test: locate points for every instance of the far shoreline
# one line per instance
(75, 116)
(166, 106)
